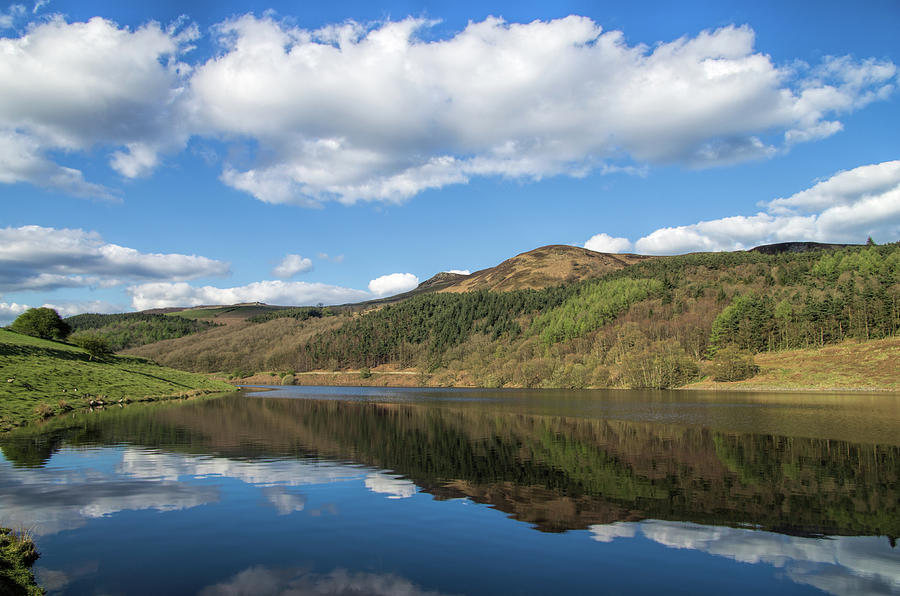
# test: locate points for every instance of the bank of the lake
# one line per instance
(17, 554)
(41, 378)
(869, 366)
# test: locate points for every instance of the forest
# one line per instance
(128, 330)
(661, 322)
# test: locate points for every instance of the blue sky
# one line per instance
(172, 153)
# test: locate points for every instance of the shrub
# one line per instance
(288, 380)
(661, 365)
(733, 364)
(96, 345)
(365, 373)
(44, 410)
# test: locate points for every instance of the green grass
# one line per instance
(41, 378)
(17, 554)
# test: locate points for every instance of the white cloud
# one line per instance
(78, 86)
(39, 258)
(9, 18)
(161, 294)
(460, 271)
(394, 283)
(356, 112)
(842, 189)
(374, 113)
(67, 308)
(291, 265)
(10, 310)
(606, 243)
(848, 207)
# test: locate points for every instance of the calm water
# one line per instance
(387, 491)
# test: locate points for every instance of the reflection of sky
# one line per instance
(268, 581)
(49, 500)
(80, 485)
(839, 565)
(395, 487)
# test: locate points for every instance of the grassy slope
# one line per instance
(46, 372)
(867, 366)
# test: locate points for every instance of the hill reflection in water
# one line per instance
(549, 462)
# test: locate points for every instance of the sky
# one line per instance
(157, 154)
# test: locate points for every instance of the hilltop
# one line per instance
(41, 378)
(542, 268)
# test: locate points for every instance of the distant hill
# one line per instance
(795, 247)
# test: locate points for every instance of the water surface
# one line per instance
(409, 491)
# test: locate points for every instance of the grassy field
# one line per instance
(40, 378)
(855, 366)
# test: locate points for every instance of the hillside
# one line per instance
(40, 378)
(658, 322)
(132, 329)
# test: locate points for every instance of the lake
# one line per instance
(335, 490)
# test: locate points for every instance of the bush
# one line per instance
(95, 345)
(44, 410)
(287, 380)
(365, 373)
(41, 322)
(733, 364)
(661, 365)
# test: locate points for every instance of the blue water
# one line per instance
(345, 491)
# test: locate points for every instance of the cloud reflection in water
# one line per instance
(841, 565)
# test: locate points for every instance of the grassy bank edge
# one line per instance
(17, 554)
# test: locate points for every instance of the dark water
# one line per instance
(386, 491)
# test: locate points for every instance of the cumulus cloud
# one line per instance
(394, 283)
(78, 86)
(10, 310)
(291, 265)
(606, 243)
(460, 271)
(39, 258)
(847, 207)
(163, 294)
(355, 112)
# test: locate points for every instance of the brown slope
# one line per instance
(543, 267)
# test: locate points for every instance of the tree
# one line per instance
(95, 345)
(41, 322)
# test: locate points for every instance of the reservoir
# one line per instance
(337, 490)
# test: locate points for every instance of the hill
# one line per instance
(542, 268)
(41, 378)
(657, 322)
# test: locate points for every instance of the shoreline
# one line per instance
(401, 379)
